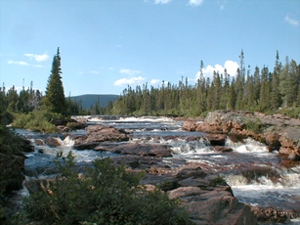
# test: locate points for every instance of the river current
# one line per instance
(255, 175)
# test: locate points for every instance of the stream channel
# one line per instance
(278, 188)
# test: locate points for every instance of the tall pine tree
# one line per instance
(55, 98)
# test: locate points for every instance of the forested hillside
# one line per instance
(264, 89)
(87, 101)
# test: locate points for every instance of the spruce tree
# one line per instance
(55, 98)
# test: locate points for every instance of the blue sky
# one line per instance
(106, 45)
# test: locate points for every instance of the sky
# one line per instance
(106, 45)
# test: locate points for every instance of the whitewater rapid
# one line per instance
(279, 187)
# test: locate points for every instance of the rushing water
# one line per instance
(254, 174)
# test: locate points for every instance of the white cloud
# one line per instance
(162, 1)
(230, 66)
(195, 2)
(95, 72)
(130, 81)
(155, 81)
(130, 72)
(38, 58)
(21, 63)
(291, 21)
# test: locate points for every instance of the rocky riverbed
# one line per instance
(207, 197)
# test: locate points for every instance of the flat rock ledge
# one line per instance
(97, 134)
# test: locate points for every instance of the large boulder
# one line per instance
(99, 133)
(213, 207)
(157, 150)
(290, 142)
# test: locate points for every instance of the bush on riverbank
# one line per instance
(12, 160)
(37, 121)
(105, 194)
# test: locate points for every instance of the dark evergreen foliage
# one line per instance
(55, 100)
(263, 91)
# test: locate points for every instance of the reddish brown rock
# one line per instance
(213, 207)
(189, 125)
(223, 149)
(216, 139)
(156, 150)
(209, 128)
(53, 142)
(98, 134)
(277, 131)
(272, 215)
(272, 141)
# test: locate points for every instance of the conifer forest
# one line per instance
(269, 90)
(264, 89)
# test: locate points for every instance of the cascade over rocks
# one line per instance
(277, 131)
(204, 194)
(157, 150)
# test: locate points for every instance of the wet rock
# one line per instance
(39, 142)
(210, 128)
(277, 131)
(223, 149)
(156, 150)
(53, 142)
(193, 170)
(272, 215)
(272, 141)
(213, 207)
(216, 139)
(189, 125)
(290, 142)
(100, 133)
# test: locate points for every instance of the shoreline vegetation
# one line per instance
(268, 91)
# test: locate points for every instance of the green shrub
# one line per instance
(105, 194)
(10, 142)
(11, 160)
(254, 125)
(291, 112)
(37, 121)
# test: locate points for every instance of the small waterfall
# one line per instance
(255, 175)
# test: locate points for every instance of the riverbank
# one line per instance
(188, 165)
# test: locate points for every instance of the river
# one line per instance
(255, 175)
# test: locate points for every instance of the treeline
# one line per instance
(27, 100)
(264, 90)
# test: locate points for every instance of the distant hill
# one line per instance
(89, 100)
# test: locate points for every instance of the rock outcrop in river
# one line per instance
(277, 131)
(205, 195)
(97, 134)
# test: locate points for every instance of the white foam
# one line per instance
(249, 146)
(146, 118)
